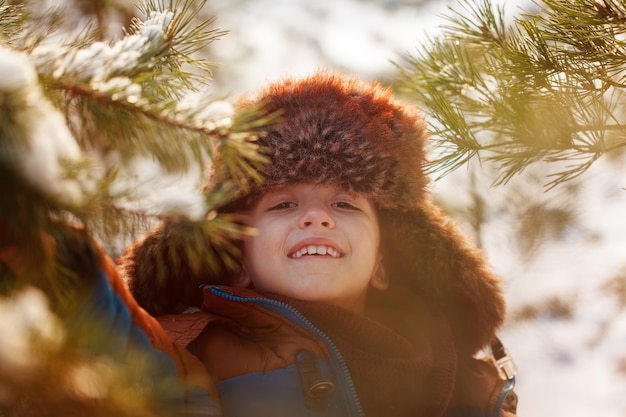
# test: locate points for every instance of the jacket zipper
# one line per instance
(305, 323)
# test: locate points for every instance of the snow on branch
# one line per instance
(101, 61)
(34, 137)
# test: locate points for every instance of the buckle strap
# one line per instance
(504, 362)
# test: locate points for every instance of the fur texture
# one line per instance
(339, 130)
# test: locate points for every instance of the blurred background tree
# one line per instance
(531, 104)
(99, 103)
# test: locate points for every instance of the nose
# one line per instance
(316, 214)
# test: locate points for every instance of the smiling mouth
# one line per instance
(317, 250)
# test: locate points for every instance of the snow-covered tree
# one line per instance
(91, 119)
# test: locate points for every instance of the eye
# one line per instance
(344, 205)
(283, 205)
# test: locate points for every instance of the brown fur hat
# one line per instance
(339, 130)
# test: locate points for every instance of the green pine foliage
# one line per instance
(78, 108)
(121, 99)
(548, 88)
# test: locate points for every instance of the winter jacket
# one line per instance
(267, 358)
(257, 355)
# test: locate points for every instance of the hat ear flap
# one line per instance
(434, 258)
(165, 268)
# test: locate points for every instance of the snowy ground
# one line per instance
(568, 367)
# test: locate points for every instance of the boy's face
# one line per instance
(314, 243)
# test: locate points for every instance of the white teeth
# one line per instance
(316, 250)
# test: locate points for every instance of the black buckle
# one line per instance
(315, 388)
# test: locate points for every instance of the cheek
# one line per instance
(370, 233)
(250, 248)
(261, 249)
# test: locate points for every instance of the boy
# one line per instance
(357, 296)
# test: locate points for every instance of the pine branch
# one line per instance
(113, 102)
(77, 116)
(549, 88)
